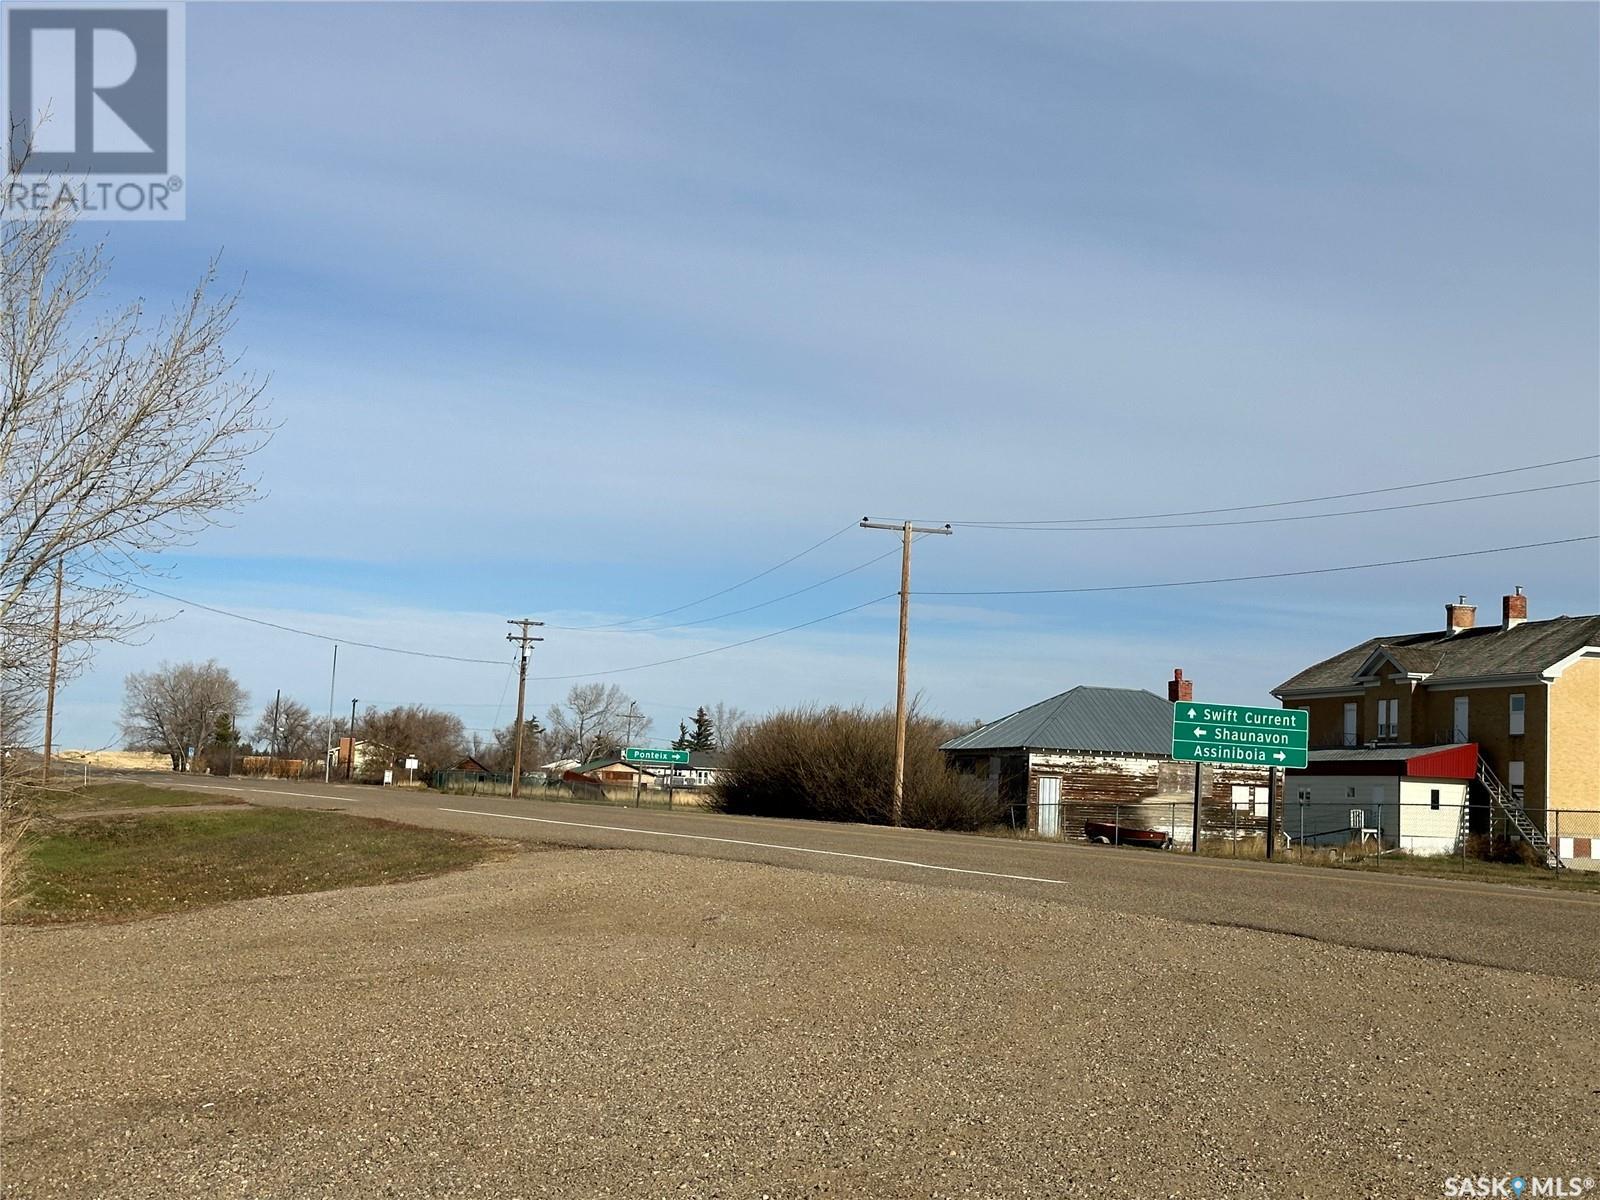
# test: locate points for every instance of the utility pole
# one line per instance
(55, 663)
(521, 640)
(333, 680)
(906, 529)
(277, 699)
(349, 767)
(633, 714)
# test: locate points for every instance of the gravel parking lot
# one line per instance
(608, 1023)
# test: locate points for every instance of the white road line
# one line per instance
(700, 837)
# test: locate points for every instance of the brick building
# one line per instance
(1525, 693)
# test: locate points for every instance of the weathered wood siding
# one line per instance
(1143, 791)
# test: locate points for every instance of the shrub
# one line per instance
(837, 764)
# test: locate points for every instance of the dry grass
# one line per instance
(99, 796)
(130, 866)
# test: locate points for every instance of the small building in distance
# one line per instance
(1102, 754)
(610, 770)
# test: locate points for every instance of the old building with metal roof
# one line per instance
(1093, 755)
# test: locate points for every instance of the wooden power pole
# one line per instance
(55, 665)
(906, 529)
(521, 640)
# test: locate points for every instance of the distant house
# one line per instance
(472, 766)
(1104, 754)
(1525, 693)
(702, 770)
(357, 757)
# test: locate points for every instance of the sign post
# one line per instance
(1227, 733)
(637, 756)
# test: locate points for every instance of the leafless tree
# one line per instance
(435, 738)
(121, 435)
(173, 710)
(290, 732)
(593, 721)
(728, 722)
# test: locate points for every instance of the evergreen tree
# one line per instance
(681, 742)
(704, 737)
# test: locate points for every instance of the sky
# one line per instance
(583, 313)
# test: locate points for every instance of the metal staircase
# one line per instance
(1517, 816)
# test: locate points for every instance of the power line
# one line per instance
(321, 637)
(1348, 512)
(1124, 587)
(737, 612)
(719, 649)
(667, 612)
(1206, 512)
(1395, 562)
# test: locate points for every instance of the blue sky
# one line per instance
(582, 312)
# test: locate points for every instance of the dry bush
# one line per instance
(837, 764)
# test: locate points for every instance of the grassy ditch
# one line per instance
(102, 796)
(117, 867)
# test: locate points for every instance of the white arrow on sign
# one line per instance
(1199, 732)
(1191, 714)
(1280, 756)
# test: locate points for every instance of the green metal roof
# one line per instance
(1089, 719)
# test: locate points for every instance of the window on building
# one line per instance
(1350, 793)
(1519, 713)
(1514, 779)
(1388, 718)
(1433, 798)
(1350, 711)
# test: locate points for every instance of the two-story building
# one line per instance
(1525, 693)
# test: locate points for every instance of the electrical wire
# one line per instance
(1207, 512)
(737, 612)
(667, 612)
(1136, 587)
(719, 649)
(1348, 512)
(322, 637)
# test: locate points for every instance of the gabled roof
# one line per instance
(1526, 649)
(1091, 719)
(699, 760)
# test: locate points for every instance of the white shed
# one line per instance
(1412, 798)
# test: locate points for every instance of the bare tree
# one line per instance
(290, 732)
(728, 722)
(435, 738)
(593, 721)
(120, 436)
(173, 710)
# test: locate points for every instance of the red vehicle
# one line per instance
(1109, 833)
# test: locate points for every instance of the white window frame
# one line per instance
(1519, 713)
(1352, 729)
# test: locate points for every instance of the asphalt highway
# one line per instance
(1493, 925)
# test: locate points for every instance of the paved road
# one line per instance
(1518, 929)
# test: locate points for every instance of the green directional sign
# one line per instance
(643, 754)
(1229, 733)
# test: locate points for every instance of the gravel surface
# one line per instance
(603, 1023)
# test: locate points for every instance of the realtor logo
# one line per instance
(94, 100)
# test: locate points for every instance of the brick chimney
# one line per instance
(1513, 610)
(1178, 688)
(1459, 616)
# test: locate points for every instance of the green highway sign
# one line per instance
(1228, 733)
(643, 754)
